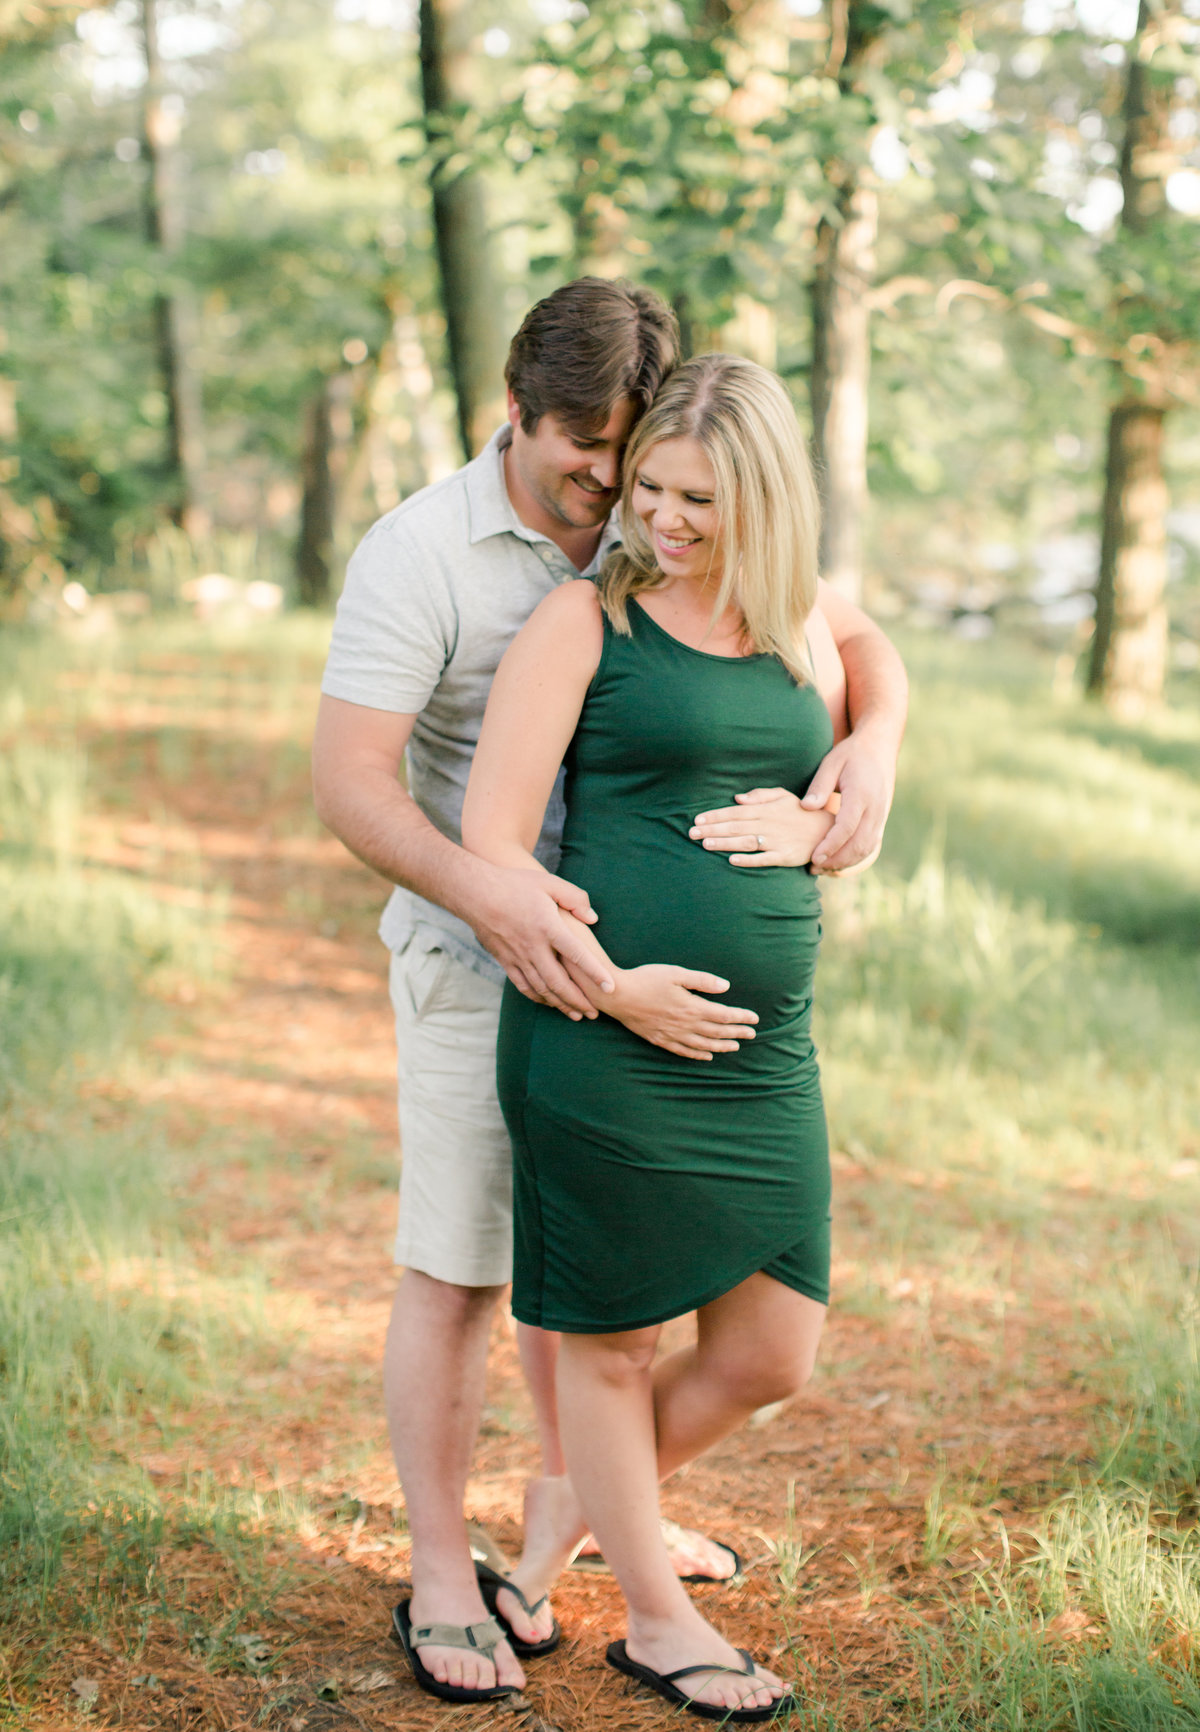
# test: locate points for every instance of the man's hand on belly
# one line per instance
(516, 917)
(863, 770)
(661, 1003)
(767, 827)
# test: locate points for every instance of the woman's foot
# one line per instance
(691, 1641)
(554, 1526)
(694, 1557)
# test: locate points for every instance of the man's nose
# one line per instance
(606, 468)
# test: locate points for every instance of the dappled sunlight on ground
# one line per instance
(943, 1412)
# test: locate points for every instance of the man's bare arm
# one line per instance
(866, 687)
(356, 760)
(861, 767)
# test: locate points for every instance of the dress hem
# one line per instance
(523, 1313)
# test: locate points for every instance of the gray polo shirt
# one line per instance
(435, 592)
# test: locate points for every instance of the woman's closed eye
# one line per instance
(691, 498)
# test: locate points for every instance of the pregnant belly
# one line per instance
(669, 901)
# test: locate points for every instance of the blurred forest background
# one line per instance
(260, 264)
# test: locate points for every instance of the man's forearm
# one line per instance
(381, 823)
(876, 688)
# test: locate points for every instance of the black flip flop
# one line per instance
(739, 1568)
(666, 1685)
(596, 1561)
(490, 1583)
(479, 1639)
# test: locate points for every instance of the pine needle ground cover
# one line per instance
(983, 1515)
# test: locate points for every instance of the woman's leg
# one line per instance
(607, 1415)
(554, 1523)
(754, 1345)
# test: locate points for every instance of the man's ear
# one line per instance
(514, 411)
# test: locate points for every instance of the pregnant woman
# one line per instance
(647, 1184)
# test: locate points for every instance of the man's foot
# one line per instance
(462, 1668)
(693, 1643)
(694, 1557)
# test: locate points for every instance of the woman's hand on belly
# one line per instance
(767, 827)
(661, 1003)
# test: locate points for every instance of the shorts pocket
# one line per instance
(424, 978)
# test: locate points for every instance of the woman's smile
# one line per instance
(675, 498)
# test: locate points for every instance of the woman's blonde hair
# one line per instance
(741, 416)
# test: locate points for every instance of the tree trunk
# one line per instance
(173, 314)
(756, 38)
(314, 550)
(475, 337)
(841, 365)
(329, 440)
(1128, 665)
(1129, 649)
(841, 335)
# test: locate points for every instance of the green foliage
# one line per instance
(694, 146)
(633, 115)
(302, 236)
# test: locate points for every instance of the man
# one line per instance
(433, 596)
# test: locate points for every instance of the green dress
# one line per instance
(644, 1184)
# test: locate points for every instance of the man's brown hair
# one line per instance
(585, 347)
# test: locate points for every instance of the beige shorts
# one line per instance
(456, 1160)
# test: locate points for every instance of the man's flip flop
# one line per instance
(490, 1583)
(666, 1684)
(482, 1638)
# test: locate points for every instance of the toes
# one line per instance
(722, 1691)
(527, 1628)
(515, 1615)
(461, 1670)
(508, 1670)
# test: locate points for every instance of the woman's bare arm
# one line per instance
(532, 713)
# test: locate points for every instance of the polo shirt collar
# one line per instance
(490, 510)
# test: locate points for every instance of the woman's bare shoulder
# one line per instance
(575, 600)
(570, 613)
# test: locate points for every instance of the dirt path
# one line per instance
(291, 1066)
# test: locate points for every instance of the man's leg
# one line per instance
(454, 1241)
(434, 1369)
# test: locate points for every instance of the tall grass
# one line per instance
(81, 946)
(98, 1314)
(1010, 1023)
(1009, 1015)
(1096, 1630)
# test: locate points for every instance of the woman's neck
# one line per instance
(684, 608)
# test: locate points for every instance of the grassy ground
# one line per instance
(984, 1515)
